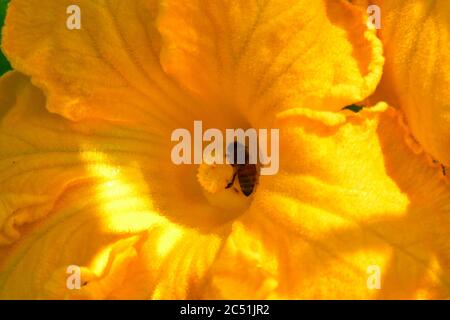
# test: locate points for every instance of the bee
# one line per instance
(246, 173)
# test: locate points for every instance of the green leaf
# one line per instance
(355, 108)
(4, 64)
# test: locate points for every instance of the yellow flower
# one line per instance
(87, 179)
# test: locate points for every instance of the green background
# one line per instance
(4, 64)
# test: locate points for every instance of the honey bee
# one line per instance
(246, 173)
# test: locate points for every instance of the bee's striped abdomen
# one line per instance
(247, 175)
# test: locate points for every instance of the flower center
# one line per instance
(214, 180)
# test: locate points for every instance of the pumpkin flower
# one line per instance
(85, 141)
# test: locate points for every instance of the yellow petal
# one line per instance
(348, 197)
(416, 38)
(258, 56)
(108, 69)
(94, 194)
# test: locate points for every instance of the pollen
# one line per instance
(215, 177)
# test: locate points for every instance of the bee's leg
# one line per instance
(444, 170)
(230, 184)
